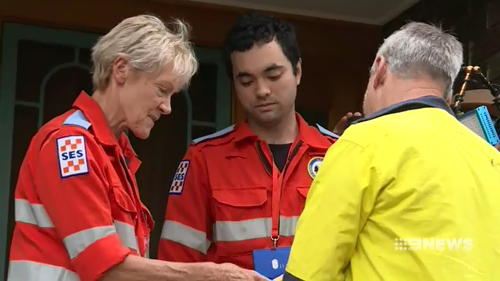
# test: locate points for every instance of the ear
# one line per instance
(298, 71)
(380, 75)
(120, 70)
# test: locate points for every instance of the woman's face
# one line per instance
(146, 97)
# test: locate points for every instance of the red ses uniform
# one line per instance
(78, 211)
(228, 199)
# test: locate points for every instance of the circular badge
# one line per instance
(313, 166)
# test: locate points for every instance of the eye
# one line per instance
(275, 77)
(162, 92)
(245, 83)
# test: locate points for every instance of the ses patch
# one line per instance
(72, 156)
(179, 178)
(313, 166)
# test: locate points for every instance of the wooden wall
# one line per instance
(476, 23)
(336, 55)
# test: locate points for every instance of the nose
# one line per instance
(165, 108)
(262, 89)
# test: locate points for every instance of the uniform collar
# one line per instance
(100, 125)
(423, 102)
(307, 134)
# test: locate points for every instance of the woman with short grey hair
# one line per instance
(78, 211)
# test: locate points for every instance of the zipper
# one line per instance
(132, 187)
(263, 159)
(293, 153)
(290, 157)
(282, 175)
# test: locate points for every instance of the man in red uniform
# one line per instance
(238, 193)
(78, 211)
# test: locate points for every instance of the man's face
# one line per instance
(265, 83)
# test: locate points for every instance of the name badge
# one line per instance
(271, 263)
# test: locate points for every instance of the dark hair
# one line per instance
(255, 28)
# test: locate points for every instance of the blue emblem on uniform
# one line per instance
(313, 166)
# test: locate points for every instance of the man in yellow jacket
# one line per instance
(407, 193)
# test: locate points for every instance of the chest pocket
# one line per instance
(234, 204)
(241, 215)
(125, 215)
(303, 191)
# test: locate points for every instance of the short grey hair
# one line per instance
(148, 45)
(419, 48)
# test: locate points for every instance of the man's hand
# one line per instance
(229, 271)
(498, 146)
(344, 122)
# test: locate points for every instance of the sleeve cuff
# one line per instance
(100, 257)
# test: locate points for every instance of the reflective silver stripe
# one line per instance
(234, 231)
(187, 236)
(32, 214)
(288, 226)
(78, 242)
(126, 232)
(31, 271)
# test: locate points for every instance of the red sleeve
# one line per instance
(187, 229)
(72, 187)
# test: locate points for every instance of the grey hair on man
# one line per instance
(419, 49)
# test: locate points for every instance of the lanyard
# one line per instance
(277, 185)
(275, 205)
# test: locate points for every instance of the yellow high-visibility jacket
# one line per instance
(407, 196)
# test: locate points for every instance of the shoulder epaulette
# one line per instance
(215, 135)
(77, 119)
(326, 132)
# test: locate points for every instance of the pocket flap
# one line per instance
(123, 200)
(148, 217)
(303, 190)
(241, 197)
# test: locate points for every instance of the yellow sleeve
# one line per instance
(340, 199)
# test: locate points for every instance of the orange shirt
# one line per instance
(78, 211)
(228, 198)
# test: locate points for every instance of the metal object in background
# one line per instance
(477, 120)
